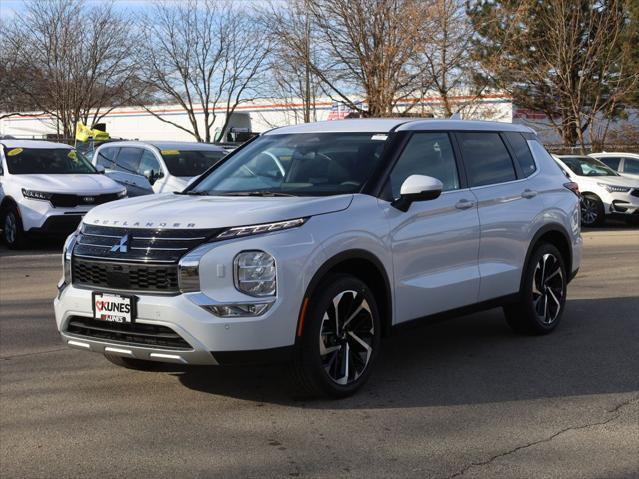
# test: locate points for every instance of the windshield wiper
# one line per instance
(255, 193)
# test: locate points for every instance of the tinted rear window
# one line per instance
(487, 159)
(522, 153)
(631, 165)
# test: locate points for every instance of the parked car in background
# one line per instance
(145, 167)
(47, 187)
(313, 241)
(603, 191)
(627, 164)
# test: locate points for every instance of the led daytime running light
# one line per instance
(36, 195)
(261, 228)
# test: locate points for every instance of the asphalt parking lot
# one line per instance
(463, 398)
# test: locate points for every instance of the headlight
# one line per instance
(255, 273)
(614, 188)
(36, 195)
(261, 228)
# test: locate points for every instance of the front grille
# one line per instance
(635, 192)
(128, 333)
(61, 200)
(118, 276)
(144, 245)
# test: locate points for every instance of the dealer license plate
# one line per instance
(113, 307)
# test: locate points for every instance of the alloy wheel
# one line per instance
(589, 210)
(346, 337)
(10, 228)
(548, 288)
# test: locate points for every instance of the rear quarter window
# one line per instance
(522, 153)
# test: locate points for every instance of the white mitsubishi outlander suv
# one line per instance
(47, 187)
(312, 242)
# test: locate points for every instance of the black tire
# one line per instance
(542, 297)
(132, 363)
(593, 213)
(12, 231)
(326, 374)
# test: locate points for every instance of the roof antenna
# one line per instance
(455, 116)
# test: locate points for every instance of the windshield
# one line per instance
(308, 164)
(585, 166)
(190, 162)
(55, 161)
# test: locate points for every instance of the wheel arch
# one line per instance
(8, 201)
(556, 235)
(363, 265)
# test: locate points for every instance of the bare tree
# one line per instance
(203, 55)
(70, 60)
(293, 52)
(568, 58)
(445, 55)
(367, 49)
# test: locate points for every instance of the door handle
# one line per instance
(528, 194)
(464, 204)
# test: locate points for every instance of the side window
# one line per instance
(129, 159)
(429, 154)
(522, 153)
(486, 158)
(631, 165)
(149, 162)
(611, 162)
(106, 157)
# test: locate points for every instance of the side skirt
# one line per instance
(453, 313)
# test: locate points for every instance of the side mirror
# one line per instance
(100, 169)
(417, 188)
(152, 176)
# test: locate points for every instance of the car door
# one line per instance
(510, 205)
(126, 172)
(434, 244)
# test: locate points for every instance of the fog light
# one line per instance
(255, 273)
(238, 310)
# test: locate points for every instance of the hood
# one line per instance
(81, 184)
(173, 211)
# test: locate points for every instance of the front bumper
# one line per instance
(622, 203)
(41, 217)
(234, 340)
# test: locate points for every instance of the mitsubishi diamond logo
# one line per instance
(122, 246)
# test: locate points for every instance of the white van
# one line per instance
(145, 167)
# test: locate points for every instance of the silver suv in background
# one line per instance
(311, 242)
(145, 167)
